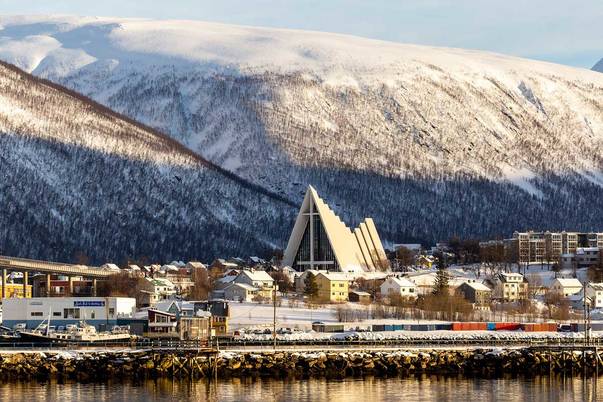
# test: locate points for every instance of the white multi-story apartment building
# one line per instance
(545, 247)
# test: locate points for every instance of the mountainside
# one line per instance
(79, 181)
(599, 66)
(430, 142)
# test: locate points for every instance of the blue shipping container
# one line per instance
(491, 326)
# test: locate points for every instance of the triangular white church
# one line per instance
(321, 241)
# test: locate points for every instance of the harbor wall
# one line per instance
(107, 365)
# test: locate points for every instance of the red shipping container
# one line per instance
(507, 326)
(551, 327)
(481, 326)
(457, 326)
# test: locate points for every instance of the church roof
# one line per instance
(356, 251)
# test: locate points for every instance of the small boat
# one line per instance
(82, 333)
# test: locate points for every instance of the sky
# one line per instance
(560, 31)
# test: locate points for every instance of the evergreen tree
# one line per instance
(311, 287)
(441, 282)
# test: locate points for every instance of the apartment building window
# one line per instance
(37, 314)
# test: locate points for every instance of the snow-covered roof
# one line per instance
(110, 267)
(257, 275)
(569, 282)
(335, 276)
(196, 264)
(360, 292)
(402, 282)
(478, 286)
(226, 279)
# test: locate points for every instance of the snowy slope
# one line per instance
(429, 141)
(79, 181)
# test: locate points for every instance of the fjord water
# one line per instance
(426, 388)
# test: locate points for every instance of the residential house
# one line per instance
(217, 309)
(424, 261)
(424, 280)
(259, 280)
(332, 287)
(509, 287)
(300, 280)
(164, 324)
(594, 294)
(241, 292)
(155, 290)
(565, 287)
(399, 287)
(476, 293)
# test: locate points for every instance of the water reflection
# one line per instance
(424, 388)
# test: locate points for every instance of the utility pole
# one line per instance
(274, 287)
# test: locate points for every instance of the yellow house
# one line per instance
(16, 290)
(424, 261)
(332, 287)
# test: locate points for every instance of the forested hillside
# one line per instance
(77, 182)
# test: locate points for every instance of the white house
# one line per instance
(565, 287)
(260, 280)
(399, 287)
(424, 280)
(157, 289)
(240, 292)
(594, 292)
(509, 287)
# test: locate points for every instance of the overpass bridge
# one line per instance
(47, 267)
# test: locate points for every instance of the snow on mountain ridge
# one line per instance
(253, 49)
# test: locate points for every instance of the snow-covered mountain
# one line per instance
(430, 142)
(599, 66)
(77, 179)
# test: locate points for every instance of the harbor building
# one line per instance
(102, 312)
(321, 241)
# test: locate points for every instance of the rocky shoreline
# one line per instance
(89, 366)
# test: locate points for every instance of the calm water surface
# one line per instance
(349, 390)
